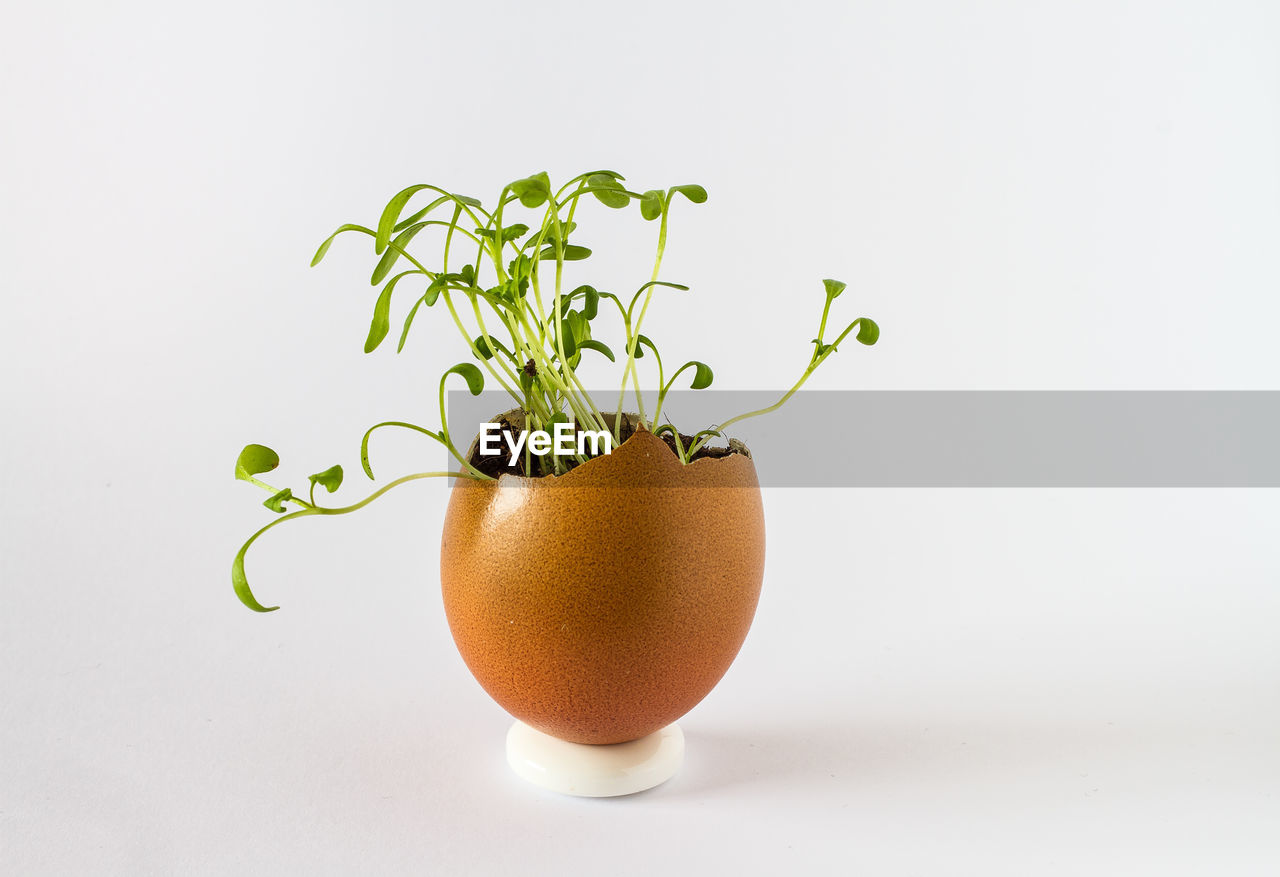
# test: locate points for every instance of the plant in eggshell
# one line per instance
(497, 275)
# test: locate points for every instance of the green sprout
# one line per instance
(522, 327)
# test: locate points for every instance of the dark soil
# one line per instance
(513, 421)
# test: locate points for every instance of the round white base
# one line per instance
(595, 771)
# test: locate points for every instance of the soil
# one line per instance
(513, 422)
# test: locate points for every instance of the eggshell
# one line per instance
(602, 605)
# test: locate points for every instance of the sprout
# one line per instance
(525, 332)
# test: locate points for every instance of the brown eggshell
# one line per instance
(601, 605)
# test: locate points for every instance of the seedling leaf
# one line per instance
(330, 479)
(408, 321)
(643, 341)
(692, 191)
(394, 251)
(868, 331)
(510, 233)
(254, 460)
(532, 191)
(472, 375)
(410, 220)
(381, 323)
(276, 502)
(571, 253)
(597, 346)
(487, 353)
(324, 247)
(391, 213)
(651, 203)
(702, 375)
(608, 191)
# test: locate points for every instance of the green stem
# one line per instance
(484, 333)
(443, 437)
(457, 321)
(364, 442)
(675, 435)
(813, 366)
(632, 338)
(241, 584)
(546, 368)
(666, 388)
(822, 326)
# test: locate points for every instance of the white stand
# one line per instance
(595, 771)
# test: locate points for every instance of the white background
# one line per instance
(1025, 195)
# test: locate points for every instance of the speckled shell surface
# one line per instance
(602, 605)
